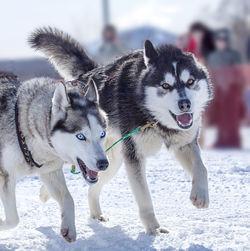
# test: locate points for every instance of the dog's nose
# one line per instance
(102, 164)
(184, 105)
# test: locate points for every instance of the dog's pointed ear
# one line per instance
(92, 92)
(60, 100)
(150, 54)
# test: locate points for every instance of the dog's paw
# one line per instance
(199, 197)
(101, 218)
(8, 225)
(157, 231)
(68, 234)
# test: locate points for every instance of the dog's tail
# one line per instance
(65, 53)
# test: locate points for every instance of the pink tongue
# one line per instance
(184, 119)
(92, 174)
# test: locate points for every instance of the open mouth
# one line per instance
(184, 120)
(90, 176)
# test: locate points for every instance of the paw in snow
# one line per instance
(100, 218)
(68, 234)
(8, 224)
(199, 196)
(68, 230)
(157, 231)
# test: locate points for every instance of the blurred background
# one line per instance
(216, 31)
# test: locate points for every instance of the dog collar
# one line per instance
(22, 143)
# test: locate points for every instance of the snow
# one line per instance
(223, 226)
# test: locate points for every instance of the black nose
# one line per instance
(184, 105)
(102, 164)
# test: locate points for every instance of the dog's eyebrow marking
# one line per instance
(169, 78)
(185, 75)
(175, 68)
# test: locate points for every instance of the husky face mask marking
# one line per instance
(177, 88)
(78, 131)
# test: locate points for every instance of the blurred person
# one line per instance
(228, 105)
(199, 41)
(224, 55)
(111, 46)
(248, 49)
(247, 90)
(247, 103)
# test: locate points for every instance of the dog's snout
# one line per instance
(184, 105)
(102, 164)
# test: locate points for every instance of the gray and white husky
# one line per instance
(162, 86)
(45, 123)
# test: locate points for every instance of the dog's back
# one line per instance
(8, 90)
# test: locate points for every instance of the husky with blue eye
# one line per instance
(45, 123)
(163, 87)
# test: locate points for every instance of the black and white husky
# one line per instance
(43, 124)
(162, 86)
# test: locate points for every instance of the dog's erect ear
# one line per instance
(92, 93)
(150, 54)
(60, 100)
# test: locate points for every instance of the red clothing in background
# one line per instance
(226, 110)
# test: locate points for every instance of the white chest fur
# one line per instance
(148, 143)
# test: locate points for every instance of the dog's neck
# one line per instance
(34, 107)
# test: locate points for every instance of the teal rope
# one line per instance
(138, 129)
(73, 170)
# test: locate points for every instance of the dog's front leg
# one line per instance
(190, 159)
(137, 178)
(56, 186)
(8, 198)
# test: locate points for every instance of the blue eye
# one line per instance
(103, 134)
(80, 136)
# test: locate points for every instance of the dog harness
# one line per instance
(82, 86)
(22, 143)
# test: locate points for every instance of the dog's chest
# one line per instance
(148, 142)
(179, 139)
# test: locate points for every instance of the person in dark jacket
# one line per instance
(111, 46)
(199, 41)
(227, 78)
(248, 49)
(224, 55)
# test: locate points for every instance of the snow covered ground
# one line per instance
(224, 226)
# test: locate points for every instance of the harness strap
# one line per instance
(82, 86)
(22, 143)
